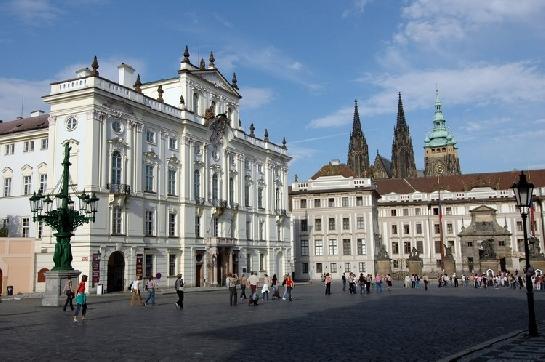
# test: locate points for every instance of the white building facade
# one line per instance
(334, 221)
(182, 187)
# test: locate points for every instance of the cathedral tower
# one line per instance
(402, 147)
(358, 152)
(441, 153)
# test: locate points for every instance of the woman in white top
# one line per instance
(265, 288)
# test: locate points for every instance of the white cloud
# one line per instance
(429, 21)
(33, 12)
(301, 153)
(357, 8)
(479, 84)
(475, 84)
(17, 92)
(320, 138)
(269, 59)
(339, 118)
(253, 97)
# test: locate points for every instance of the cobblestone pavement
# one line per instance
(406, 324)
(516, 346)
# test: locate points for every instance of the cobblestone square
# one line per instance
(406, 324)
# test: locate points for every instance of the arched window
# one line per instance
(277, 199)
(41, 275)
(215, 191)
(116, 168)
(197, 184)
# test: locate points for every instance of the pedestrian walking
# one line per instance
(179, 287)
(81, 300)
(368, 280)
(151, 285)
(231, 283)
(243, 282)
(265, 288)
(389, 282)
(69, 292)
(361, 282)
(343, 277)
(289, 286)
(253, 280)
(275, 288)
(426, 281)
(378, 281)
(136, 296)
(327, 281)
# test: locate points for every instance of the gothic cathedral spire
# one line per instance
(402, 147)
(358, 152)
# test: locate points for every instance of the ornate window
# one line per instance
(115, 178)
(196, 103)
(43, 182)
(171, 224)
(7, 186)
(149, 178)
(171, 182)
(27, 185)
(318, 247)
(197, 184)
(149, 223)
(116, 220)
(215, 187)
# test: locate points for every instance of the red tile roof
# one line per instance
(333, 170)
(494, 180)
(25, 124)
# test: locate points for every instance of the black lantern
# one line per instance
(523, 192)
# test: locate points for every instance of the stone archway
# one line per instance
(116, 270)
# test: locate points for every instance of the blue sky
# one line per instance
(301, 64)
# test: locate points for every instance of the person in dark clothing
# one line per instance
(344, 282)
(179, 287)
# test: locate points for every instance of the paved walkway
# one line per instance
(406, 324)
(515, 346)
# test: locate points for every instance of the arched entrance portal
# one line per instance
(116, 269)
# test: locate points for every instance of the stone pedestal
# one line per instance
(449, 265)
(54, 285)
(415, 266)
(538, 264)
(492, 264)
(383, 267)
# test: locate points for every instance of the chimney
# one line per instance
(83, 72)
(335, 162)
(127, 76)
(36, 113)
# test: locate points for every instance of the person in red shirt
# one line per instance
(81, 299)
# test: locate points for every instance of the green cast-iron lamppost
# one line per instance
(64, 219)
(523, 193)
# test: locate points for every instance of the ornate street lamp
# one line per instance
(523, 193)
(65, 218)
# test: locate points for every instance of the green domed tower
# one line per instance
(440, 151)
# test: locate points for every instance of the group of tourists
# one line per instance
(259, 288)
(365, 282)
(151, 286)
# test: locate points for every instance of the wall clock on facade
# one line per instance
(439, 168)
(71, 123)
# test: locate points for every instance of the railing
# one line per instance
(119, 189)
(216, 240)
(199, 200)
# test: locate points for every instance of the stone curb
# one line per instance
(459, 355)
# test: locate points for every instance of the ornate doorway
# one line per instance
(116, 270)
(198, 269)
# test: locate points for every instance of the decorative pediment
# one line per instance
(118, 143)
(42, 168)
(151, 156)
(26, 170)
(7, 172)
(173, 161)
(261, 182)
(215, 78)
(216, 168)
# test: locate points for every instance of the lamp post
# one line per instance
(523, 193)
(65, 218)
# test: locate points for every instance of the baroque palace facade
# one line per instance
(345, 214)
(182, 187)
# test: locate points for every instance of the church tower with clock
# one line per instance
(440, 151)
